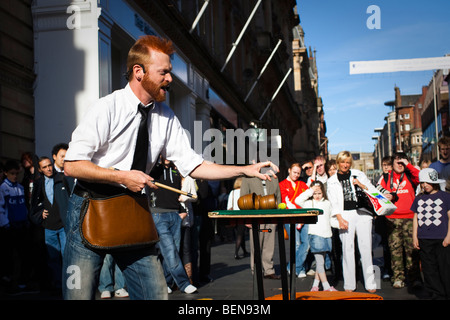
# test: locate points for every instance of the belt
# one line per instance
(80, 192)
(97, 190)
(86, 189)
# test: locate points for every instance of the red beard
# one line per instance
(153, 89)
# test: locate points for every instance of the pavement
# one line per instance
(232, 280)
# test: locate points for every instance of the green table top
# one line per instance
(272, 213)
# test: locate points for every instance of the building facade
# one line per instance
(420, 120)
(16, 79)
(435, 115)
(74, 52)
(309, 102)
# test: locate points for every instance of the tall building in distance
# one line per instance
(416, 122)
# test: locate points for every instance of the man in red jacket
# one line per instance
(401, 183)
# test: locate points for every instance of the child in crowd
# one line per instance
(14, 225)
(319, 233)
(431, 234)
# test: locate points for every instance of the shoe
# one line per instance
(417, 284)
(371, 290)
(169, 290)
(311, 272)
(206, 279)
(31, 288)
(272, 276)
(105, 295)
(302, 274)
(398, 284)
(331, 289)
(237, 257)
(314, 289)
(121, 293)
(190, 289)
(14, 291)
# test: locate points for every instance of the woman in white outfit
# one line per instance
(352, 220)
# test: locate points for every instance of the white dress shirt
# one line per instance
(108, 132)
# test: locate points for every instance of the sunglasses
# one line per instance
(307, 168)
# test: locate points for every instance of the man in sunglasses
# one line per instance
(307, 170)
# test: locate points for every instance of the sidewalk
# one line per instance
(232, 280)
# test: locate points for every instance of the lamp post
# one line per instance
(380, 133)
(435, 116)
(377, 138)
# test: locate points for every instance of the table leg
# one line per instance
(257, 272)
(283, 264)
(292, 260)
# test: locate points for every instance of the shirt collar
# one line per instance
(9, 183)
(134, 100)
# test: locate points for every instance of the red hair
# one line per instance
(140, 52)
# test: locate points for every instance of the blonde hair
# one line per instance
(296, 164)
(237, 183)
(343, 155)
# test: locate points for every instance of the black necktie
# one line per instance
(141, 152)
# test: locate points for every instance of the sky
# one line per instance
(337, 30)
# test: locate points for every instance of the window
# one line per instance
(407, 127)
(407, 116)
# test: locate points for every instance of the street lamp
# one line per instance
(377, 138)
(380, 131)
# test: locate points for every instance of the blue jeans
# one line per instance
(111, 277)
(301, 248)
(81, 266)
(168, 225)
(55, 241)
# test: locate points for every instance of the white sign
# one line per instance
(382, 66)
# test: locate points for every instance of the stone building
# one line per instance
(420, 120)
(63, 55)
(16, 79)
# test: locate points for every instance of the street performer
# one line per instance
(106, 138)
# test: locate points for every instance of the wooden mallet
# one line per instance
(160, 185)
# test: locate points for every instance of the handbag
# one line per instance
(363, 201)
(116, 222)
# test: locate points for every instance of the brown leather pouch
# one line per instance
(118, 222)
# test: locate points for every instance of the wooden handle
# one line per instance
(160, 185)
(168, 188)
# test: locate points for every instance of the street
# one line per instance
(232, 280)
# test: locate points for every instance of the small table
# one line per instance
(280, 217)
